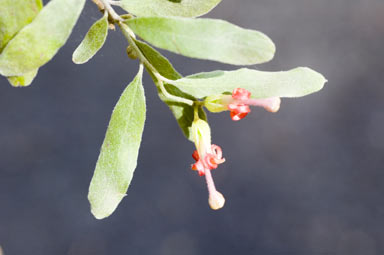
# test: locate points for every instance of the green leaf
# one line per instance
(118, 157)
(92, 42)
(205, 39)
(181, 8)
(297, 82)
(23, 81)
(182, 112)
(39, 41)
(14, 15)
(161, 63)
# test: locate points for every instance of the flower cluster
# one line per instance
(208, 156)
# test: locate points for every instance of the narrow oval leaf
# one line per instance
(14, 15)
(23, 81)
(118, 157)
(92, 42)
(39, 41)
(209, 39)
(181, 8)
(297, 82)
(182, 112)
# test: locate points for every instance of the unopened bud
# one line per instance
(131, 52)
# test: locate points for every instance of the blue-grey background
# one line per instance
(305, 181)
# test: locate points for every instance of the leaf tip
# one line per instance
(76, 59)
(103, 208)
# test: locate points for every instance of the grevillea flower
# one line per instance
(208, 156)
(238, 103)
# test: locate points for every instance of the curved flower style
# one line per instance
(208, 156)
(238, 103)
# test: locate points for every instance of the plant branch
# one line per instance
(117, 3)
(128, 33)
(107, 6)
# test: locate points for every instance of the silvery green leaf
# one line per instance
(14, 15)
(118, 157)
(92, 42)
(39, 41)
(182, 8)
(209, 39)
(297, 82)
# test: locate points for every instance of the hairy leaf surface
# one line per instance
(209, 39)
(39, 41)
(14, 15)
(118, 157)
(92, 42)
(297, 82)
(182, 8)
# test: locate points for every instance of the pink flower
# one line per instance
(208, 161)
(208, 156)
(238, 103)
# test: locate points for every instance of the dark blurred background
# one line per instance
(305, 181)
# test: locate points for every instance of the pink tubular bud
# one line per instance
(270, 104)
(241, 100)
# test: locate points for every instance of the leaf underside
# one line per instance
(92, 42)
(182, 8)
(297, 82)
(209, 39)
(39, 41)
(14, 15)
(118, 157)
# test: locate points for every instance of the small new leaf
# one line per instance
(39, 41)
(297, 82)
(92, 42)
(209, 39)
(118, 157)
(182, 112)
(181, 8)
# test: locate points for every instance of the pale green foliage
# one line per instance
(182, 112)
(118, 157)
(92, 42)
(159, 62)
(39, 41)
(205, 39)
(184, 8)
(29, 39)
(23, 81)
(297, 82)
(14, 15)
